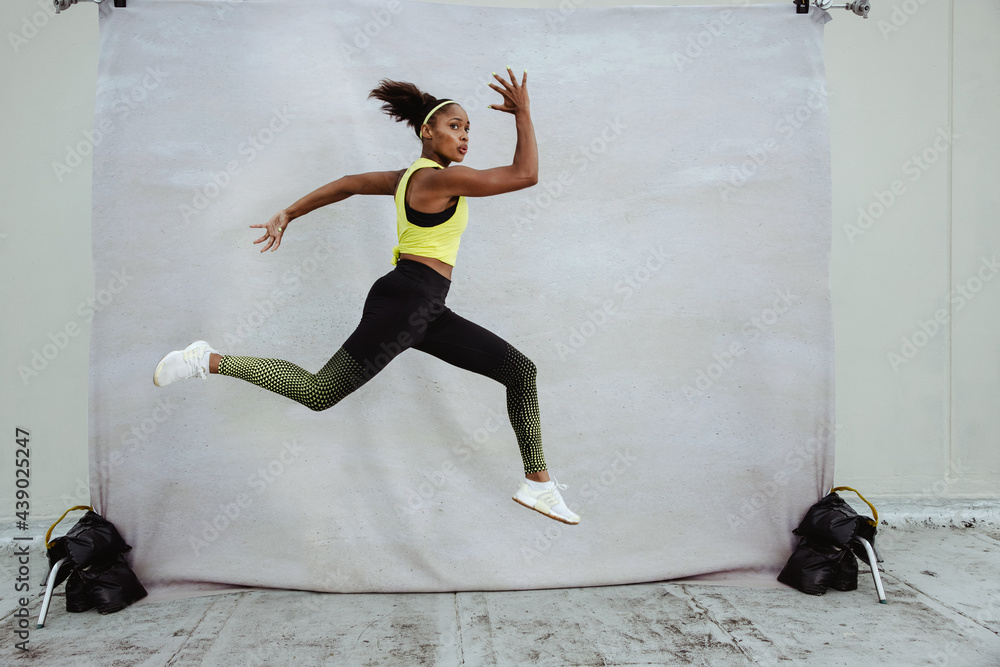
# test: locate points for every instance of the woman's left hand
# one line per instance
(275, 228)
(515, 95)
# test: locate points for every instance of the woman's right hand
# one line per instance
(274, 227)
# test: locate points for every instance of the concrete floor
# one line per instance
(941, 576)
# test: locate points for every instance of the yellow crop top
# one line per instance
(426, 235)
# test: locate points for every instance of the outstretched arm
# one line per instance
(371, 183)
(523, 170)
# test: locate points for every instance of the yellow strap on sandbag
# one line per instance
(48, 545)
(874, 511)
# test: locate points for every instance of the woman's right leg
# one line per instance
(386, 330)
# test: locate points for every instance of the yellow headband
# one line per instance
(431, 113)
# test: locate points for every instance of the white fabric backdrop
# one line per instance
(668, 276)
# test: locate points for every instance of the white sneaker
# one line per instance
(548, 501)
(182, 364)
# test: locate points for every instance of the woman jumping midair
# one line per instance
(406, 307)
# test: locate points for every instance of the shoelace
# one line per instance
(193, 359)
(556, 486)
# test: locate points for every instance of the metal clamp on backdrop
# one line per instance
(60, 5)
(859, 7)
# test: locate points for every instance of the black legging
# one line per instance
(406, 308)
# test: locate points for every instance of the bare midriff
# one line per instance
(436, 264)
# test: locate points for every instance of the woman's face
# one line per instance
(450, 133)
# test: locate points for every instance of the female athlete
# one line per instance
(406, 307)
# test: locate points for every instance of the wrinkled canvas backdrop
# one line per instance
(668, 275)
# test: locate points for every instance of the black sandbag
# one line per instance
(830, 521)
(93, 539)
(95, 570)
(77, 597)
(110, 586)
(812, 568)
(845, 573)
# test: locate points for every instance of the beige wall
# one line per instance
(914, 98)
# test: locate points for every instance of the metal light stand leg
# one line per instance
(51, 584)
(873, 563)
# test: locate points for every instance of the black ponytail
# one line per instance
(404, 102)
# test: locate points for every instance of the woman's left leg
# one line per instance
(467, 345)
(338, 378)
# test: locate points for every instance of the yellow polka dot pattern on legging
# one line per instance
(339, 377)
(517, 373)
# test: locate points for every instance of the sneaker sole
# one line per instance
(551, 516)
